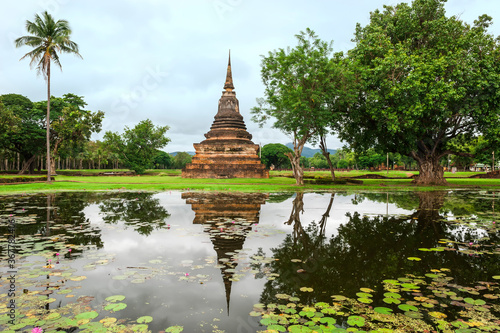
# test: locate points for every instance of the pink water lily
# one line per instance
(37, 330)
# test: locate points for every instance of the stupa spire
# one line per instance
(229, 76)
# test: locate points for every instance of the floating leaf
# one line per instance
(414, 315)
(392, 295)
(474, 301)
(407, 307)
(87, 315)
(78, 278)
(53, 316)
(115, 298)
(115, 307)
(108, 321)
(144, 319)
(140, 328)
(339, 298)
(299, 329)
(414, 258)
(174, 329)
(356, 321)
(390, 300)
(277, 328)
(382, 310)
(365, 300)
(438, 315)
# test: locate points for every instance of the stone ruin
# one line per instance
(227, 151)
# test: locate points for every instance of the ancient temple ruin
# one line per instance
(228, 151)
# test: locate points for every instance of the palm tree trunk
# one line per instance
(48, 122)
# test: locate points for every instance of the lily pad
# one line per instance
(382, 310)
(87, 315)
(115, 307)
(144, 319)
(115, 298)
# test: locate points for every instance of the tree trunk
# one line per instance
(48, 122)
(52, 165)
(297, 209)
(324, 151)
(429, 170)
(298, 172)
(27, 164)
(427, 214)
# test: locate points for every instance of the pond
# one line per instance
(225, 262)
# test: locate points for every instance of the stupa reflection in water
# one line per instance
(227, 218)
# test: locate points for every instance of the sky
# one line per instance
(166, 60)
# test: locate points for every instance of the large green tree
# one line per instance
(47, 38)
(424, 79)
(137, 146)
(297, 90)
(71, 125)
(274, 154)
(27, 136)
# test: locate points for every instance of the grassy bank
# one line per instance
(280, 181)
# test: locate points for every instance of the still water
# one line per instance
(202, 261)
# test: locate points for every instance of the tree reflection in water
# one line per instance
(367, 250)
(140, 211)
(62, 219)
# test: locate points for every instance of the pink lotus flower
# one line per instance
(187, 274)
(37, 330)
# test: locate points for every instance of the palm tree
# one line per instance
(48, 37)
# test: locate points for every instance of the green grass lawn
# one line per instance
(280, 181)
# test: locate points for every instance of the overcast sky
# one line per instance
(166, 60)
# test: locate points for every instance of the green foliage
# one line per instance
(71, 125)
(297, 82)
(370, 159)
(48, 37)
(137, 146)
(24, 130)
(424, 79)
(163, 160)
(318, 161)
(274, 154)
(181, 159)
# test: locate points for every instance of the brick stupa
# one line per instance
(228, 151)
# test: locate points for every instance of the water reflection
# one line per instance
(140, 211)
(227, 218)
(334, 243)
(52, 219)
(369, 249)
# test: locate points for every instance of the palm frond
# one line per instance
(48, 37)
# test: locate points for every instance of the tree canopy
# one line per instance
(297, 87)
(137, 146)
(423, 79)
(274, 154)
